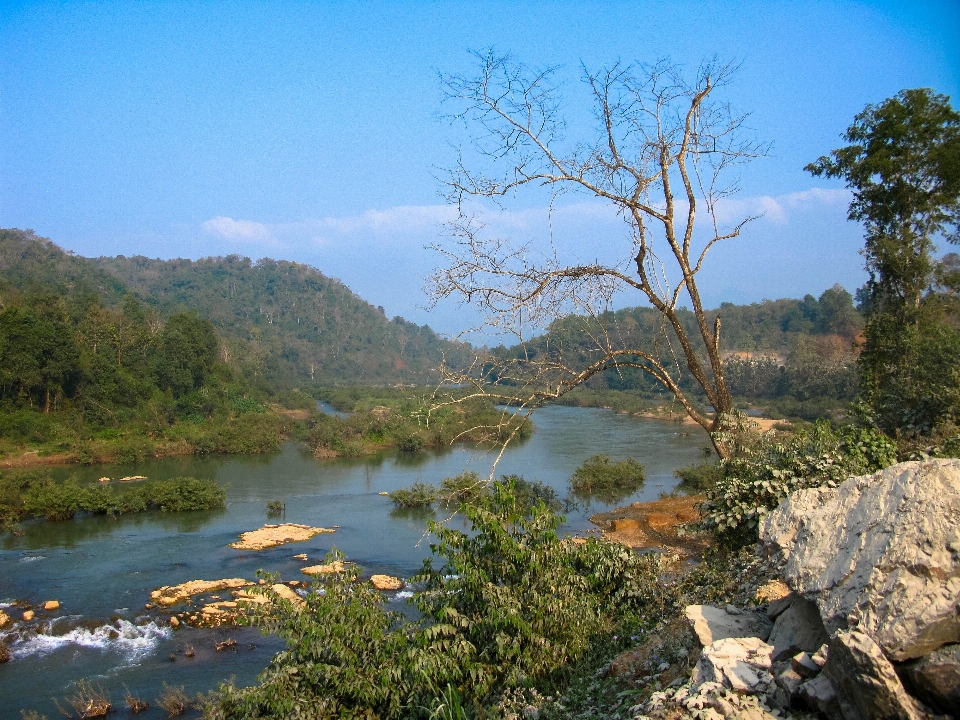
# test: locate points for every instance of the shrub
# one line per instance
(699, 477)
(38, 495)
(185, 493)
(758, 481)
(418, 495)
(510, 604)
(410, 442)
(608, 481)
(463, 488)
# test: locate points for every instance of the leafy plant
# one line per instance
(699, 477)
(768, 471)
(510, 604)
(606, 480)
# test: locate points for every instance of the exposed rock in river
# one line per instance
(171, 595)
(334, 567)
(272, 535)
(386, 582)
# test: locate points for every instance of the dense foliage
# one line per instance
(769, 469)
(469, 488)
(901, 165)
(602, 478)
(798, 356)
(410, 425)
(35, 494)
(510, 605)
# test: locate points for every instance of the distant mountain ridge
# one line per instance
(283, 321)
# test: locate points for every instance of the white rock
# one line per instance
(712, 623)
(741, 664)
(880, 552)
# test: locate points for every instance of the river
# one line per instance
(102, 570)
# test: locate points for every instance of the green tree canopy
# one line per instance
(903, 166)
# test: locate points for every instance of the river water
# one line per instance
(102, 570)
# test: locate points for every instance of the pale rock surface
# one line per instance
(863, 677)
(935, 679)
(741, 664)
(51, 605)
(272, 535)
(28, 615)
(288, 594)
(4, 619)
(818, 694)
(386, 582)
(712, 623)
(172, 594)
(796, 629)
(880, 552)
(335, 567)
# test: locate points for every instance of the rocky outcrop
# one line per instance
(51, 605)
(935, 678)
(880, 553)
(867, 618)
(741, 664)
(329, 569)
(272, 535)
(712, 624)
(798, 628)
(173, 594)
(4, 619)
(863, 678)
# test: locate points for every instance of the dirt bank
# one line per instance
(661, 524)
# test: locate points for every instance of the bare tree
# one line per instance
(661, 157)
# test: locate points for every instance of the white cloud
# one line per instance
(239, 230)
(778, 208)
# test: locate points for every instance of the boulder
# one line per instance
(386, 582)
(174, 622)
(741, 664)
(804, 665)
(798, 628)
(880, 553)
(863, 678)
(288, 594)
(935, 678)
(4, 619)
(51, 605)
(330, 569)
(818, 695)
(712, 624)
(28, 615)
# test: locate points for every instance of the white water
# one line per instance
(129, 640)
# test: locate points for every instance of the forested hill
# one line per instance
(284, 323)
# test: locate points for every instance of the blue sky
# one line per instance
(311, 131)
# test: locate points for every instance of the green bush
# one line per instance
(699, 477)
(606, 480)
(27, 495)
(185, 493)
(418, 495)
(758, 481)
(509, 605)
